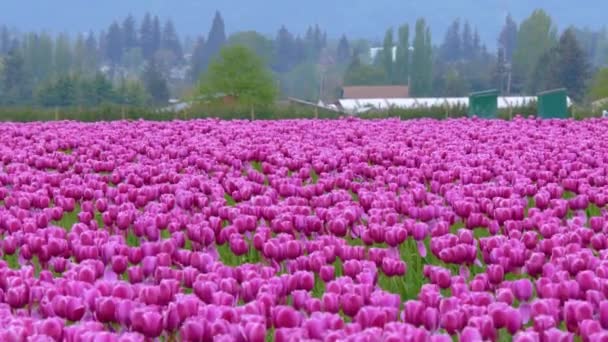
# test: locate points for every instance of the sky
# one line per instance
(356, 18)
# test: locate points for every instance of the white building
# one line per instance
(359, 106)
(373, 52)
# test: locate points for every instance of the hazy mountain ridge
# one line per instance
(356, 18)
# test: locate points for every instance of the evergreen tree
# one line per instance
(129, 33)
(455, 84)
(114, 44)
(170, 40)
(451, 49)
(14, 86)
(387, 55)
(133, 93)
(536, 36)
(262, 46)
(318, 41)
(102, 46)
(508, 38)
(358, 73)
(80, 53)
(477, 46)
(38, 55)
(197, 66)
(5, 40)
(62, 55)
(500, 71)
(215, 40)
(156, 35)
(102, 91)
(156, 84)
(599, 87)
(146, 36)
(403, 56)
(298, 54)
(61, 92)
(468, 48)
(285, 51)
(92, 52)
(571, 67)
(422, 61)
(343, 53)
(542, 77)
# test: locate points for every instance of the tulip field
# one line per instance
(304, 230)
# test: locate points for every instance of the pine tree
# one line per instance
(451, 49)
(63, 54)
(146, 35)
(318, 43)
(156, 35)
(155, 84)
(500, 71)
(14, 85)
(285, 47)
(387, 55)
(129, 33)
(343, 53)
(508, 38)
(298, 54)
(170, 40)
(215, 40)
(468, 48)
(536, 36)
(114, 44)
(571, 67)
(197, 67)
(402, 64)
(422, 61)
(5, 40)
(92, 51)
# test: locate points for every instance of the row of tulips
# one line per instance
(341, 230)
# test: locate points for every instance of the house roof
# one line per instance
(375, 92)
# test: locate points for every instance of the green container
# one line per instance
(553, 104)
(484, 104)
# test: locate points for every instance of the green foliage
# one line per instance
(507, 40)
(262, 46)
(358, 73)
(216, 39)
(15, 83)
(74, 90)
(302, 82)
(572, 67)
(402, 63)
(595, 45)
(62, 55)
(536, 36)
(451, 48)
(421, 84)
(288, 52)
(564, 66)
(455, 84)
(133, 93)
(599, 86)
(387, 56)
(343, 51)
(239, 73)
(155, 83)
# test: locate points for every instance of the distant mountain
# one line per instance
(356, 18)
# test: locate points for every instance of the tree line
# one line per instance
(146, 62)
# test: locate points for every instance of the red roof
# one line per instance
(375, 92)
